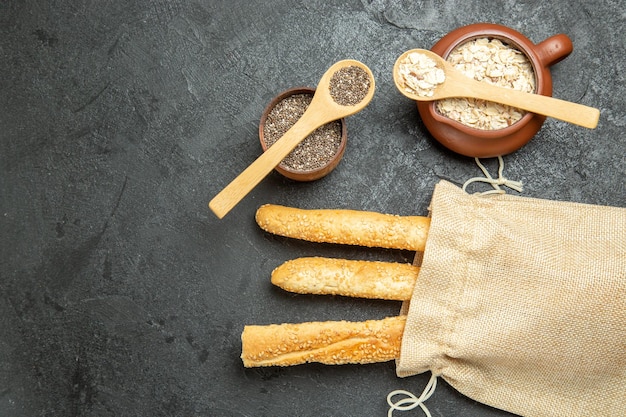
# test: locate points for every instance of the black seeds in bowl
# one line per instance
(317, 149)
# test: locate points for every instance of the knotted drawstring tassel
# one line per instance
(495, 182)
(411, 401)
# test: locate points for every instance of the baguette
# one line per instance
(351, 278)
(350, 227)
(330, 342)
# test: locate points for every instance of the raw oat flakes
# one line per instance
(492, 61)
(419, 74)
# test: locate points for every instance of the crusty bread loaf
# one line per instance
(352, 278)
(330, 342)
(350, 227)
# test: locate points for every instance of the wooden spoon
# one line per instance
(322, 109)
(456, 84)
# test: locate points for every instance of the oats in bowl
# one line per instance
(492, 61)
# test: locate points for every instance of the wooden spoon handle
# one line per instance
(234, 192)
(567, 111)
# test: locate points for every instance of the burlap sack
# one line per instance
(521, 304)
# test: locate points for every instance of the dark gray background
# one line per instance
(121, 294)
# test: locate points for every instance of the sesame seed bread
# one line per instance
(351, 278)
(329, 342)
(342, 226)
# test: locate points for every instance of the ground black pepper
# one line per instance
(317, 149)
(349, 85)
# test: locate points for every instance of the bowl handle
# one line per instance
(554, 49)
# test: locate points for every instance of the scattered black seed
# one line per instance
(317, 149)
(349, 85)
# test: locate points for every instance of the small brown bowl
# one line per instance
(473, 142)
(289, 172)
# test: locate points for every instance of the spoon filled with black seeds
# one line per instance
(344, 89)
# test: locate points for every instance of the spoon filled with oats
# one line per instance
(344, 89)
(423, 75)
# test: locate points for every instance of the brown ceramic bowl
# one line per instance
(474, 142)
(303, 175)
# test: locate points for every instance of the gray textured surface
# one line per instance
(122, 295)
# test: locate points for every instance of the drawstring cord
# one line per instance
(411, 401)
(495, 182)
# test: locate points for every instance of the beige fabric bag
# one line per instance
(521, 304)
